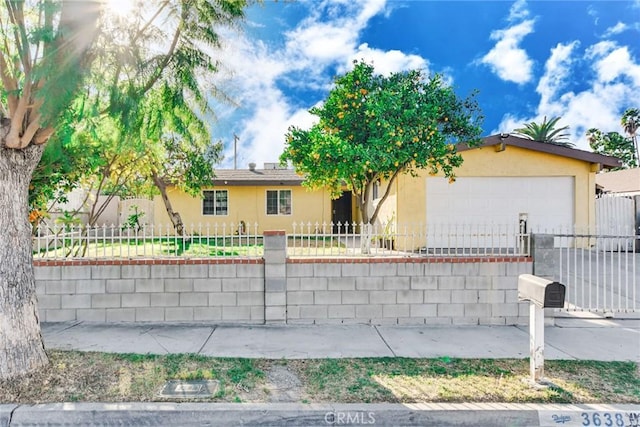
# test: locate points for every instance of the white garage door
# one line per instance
(548, 201)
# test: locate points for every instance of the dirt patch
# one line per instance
(283, 385)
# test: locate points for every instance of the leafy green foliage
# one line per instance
(374, 127)
(133, 220)
(179, 147)
(631, 122)
(545, 132)
(613, 144)
(145, 101)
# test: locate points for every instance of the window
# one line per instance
(215, 202)
(278, 202)
(376, 190)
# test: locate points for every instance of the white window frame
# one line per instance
(215, 210)
(375, 191)
(279, 208)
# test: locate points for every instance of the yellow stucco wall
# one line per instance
(407, 201)
(512, 162)
(248, 204)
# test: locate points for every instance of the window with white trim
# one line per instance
(278, 202)
(215, 202)
(376, 190)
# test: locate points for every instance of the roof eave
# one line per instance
(255, 182)
(574, 153)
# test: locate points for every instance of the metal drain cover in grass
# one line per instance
(190, 389)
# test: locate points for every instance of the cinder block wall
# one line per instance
(455, 291)
(277, 289)
(209, 290)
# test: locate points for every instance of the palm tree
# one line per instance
(631, 122)
(545, 132)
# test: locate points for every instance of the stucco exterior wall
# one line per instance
(248, 204)
(513, 161)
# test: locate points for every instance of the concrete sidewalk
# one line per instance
(586, 339)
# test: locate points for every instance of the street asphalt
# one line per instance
(568, 338)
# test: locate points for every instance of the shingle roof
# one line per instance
(622, 181)
(256, 177)
(587, 156)
(276, 176)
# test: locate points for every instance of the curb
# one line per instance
(278, 414)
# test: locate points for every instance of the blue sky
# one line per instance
(576, 59)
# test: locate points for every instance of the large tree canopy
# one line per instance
(47, 49)
(373, 127)
(149, 81)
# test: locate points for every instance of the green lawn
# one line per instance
(157, 247)
(189, 247)
(103, 377)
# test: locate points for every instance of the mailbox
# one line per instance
(542, 292)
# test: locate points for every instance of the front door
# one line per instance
(341, 212)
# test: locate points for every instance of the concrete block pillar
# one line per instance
(275, 276)
(545, 264)
(545, 261)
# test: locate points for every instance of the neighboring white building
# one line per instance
(624, 182)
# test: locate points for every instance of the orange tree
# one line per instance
(373, 127)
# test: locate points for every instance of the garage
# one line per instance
(547, 201)
(498, 180)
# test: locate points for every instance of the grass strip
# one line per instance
(103, 377)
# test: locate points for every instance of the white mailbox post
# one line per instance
(541, 293)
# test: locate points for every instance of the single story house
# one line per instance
(503, 180)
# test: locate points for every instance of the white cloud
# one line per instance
(616, 29)
(592, 12)
(322, 41)
(557, 70)
(613, 62)
(389, 61)
(326, 40)
(614, 87)
(507, 59)
(518, 11)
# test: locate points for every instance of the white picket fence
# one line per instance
(393, 239)
(306, 239)
(111, 241)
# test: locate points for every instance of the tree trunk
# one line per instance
(21, 345)
(366, 228)
(174, 216)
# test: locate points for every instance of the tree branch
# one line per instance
(149, 22)
(30, 132)
(16, 15)
(13, 139)
(43, 135)
(384, 196)
(163, 64)
(10, 84)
